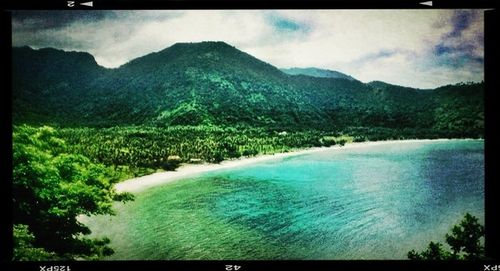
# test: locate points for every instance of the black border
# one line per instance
(386, 265)
(492, 225)
(6, 141)
(491, 150)
(249, 4)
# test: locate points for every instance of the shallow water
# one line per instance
(372, 202)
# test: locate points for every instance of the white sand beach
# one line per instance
(190, 170)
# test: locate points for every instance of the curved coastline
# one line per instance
(142, 183)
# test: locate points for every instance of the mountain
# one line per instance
(380, 84)
(203, 83)
(49, 83)
(315, 72)
(213, 83)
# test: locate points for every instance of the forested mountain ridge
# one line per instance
(213, 83)
(315, 72)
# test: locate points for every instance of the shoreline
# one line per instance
(142, 183)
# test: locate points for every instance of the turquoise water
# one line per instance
(373, 202)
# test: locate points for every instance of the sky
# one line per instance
(418, 48)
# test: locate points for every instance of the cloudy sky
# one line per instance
(418, 48)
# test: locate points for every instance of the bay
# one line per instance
(370, 202)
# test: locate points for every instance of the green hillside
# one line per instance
(213, 83)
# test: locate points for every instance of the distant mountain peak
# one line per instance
(50, 50)
(65, 60)
(200, 47)
(317, 72)
(381, 85)
(210, 56)
(203, 43)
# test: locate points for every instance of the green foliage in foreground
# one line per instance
(24, 249)
(51, 188)
(464, 241)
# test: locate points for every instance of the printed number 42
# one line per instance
(232, 267)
